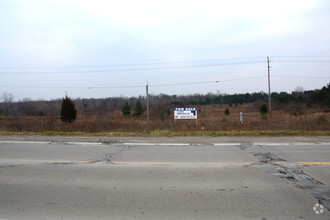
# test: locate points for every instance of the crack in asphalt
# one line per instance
(8, 166)
(108, 141)
(62, 163)
(271, 164)
(108, 157)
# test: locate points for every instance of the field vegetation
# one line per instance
(301, 112)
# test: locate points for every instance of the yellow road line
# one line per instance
(155, 162)
(186, 163)
(85, 161)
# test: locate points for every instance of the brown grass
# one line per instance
(210, 118)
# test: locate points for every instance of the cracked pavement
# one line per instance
(273, 165)
(165, 181)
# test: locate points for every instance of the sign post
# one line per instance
(241, 117)
(185, 113)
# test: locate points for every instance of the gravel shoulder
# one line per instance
(179, 139)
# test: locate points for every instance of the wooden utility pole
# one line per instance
(148, 120)
(269, 93)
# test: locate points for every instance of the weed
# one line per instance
(211, 118)
(264, 116)
(323, 119)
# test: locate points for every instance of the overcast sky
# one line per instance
(180, 47)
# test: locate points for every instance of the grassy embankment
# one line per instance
(164, 133)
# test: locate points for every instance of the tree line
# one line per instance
(160, 104)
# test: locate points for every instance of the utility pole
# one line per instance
(148, 120)
(269, 93)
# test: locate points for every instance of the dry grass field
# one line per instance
(210, 118)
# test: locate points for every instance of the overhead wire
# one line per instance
(304, 56)
(220, 62)
(133, 64)
(150, 75)
(303, 77)
(110, 87)
(303, 61)
(129, 70)
(160, 68)
(155, 63)
(223, 80)
(157, 85)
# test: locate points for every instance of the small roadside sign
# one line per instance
(185, 113)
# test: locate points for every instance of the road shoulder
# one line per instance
(178, 139)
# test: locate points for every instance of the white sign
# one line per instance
(185, 113)
(241, 117)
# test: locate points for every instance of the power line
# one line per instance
(245, 78)
(183, 84)
(304, 77)
(303, 61)
(154, 63)
(129, 70)
(163, 85)
(304, 56)
(302, 71)
(71, 87)
(145, 75)
(133, 64)
(109, 87)
(173, 62)
(225, 80)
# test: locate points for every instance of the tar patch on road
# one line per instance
(273, 165)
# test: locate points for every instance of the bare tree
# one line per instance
(160, 108)
(28, 107)
(53, 108)
(299, 89)
(7, 99)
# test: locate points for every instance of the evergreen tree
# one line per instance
(138, 110)
(68, 110)
(126, 109)
(263, 109)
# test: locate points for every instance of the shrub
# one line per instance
(138, 110)
(227, 112)
(263, 109)
(126, 109)
(68, 110)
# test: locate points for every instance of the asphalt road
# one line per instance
(52, 180)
